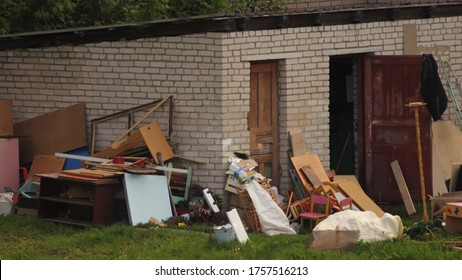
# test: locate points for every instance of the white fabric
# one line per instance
(371, 228)
(273, 221)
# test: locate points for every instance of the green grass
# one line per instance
(27, 238)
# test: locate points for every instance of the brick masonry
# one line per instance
(208, 76)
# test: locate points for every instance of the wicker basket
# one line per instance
(251, 213)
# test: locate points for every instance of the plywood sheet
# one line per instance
(439, 185)
(297, 142)
(403, 187)
(6, 117)
(45, 164)
(446, 140)
(351, 187)
(156, 142)
(59, 131)
(147, 196)
(316, 166)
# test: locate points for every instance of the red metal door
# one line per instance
(390, 82)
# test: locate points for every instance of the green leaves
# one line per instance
(18, 16)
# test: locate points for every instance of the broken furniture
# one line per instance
(77, 200)
(346, 203)
(319, 209)
(131, 139)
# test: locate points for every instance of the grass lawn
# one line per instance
(26, 238)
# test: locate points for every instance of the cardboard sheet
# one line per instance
(147, 196)
(350, 186)
(446, 140)
(57, 131)
(156, 142)
(298, 143)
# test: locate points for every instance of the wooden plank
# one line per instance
(132, 141)
(311, 175)
(6, 117)
(351, 188)
(410, 39)
(315, 163)
(45, 164)
(403, 187)
(58, 131)
(298, 143)
(156, 142)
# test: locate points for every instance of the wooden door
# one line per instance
(263, 119)
(390, 82)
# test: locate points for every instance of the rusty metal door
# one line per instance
(390, 82)
(263, 119)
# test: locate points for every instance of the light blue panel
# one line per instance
(147, 196)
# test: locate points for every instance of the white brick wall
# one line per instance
(208, 75)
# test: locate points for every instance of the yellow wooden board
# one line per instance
(156, 142)
(43, 164)
(316, 166)
(132, 141)
(351, 187)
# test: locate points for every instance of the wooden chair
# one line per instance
(298, 207)
(315, 212)
(346, 203)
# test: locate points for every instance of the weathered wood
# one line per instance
(403, 187)
(311, 175)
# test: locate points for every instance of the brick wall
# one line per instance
(208, 75)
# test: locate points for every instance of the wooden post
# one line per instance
(416, 106)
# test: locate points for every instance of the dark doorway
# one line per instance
(341, 112)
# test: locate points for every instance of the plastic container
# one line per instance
(224, 234)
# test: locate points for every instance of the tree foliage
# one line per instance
(18, 16)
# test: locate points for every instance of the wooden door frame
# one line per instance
(255, 66)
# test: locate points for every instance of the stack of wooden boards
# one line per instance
(309, 177)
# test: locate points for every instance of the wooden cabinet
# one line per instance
(77, 201)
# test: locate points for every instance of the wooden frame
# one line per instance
(129, 113)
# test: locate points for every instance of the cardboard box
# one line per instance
(454, 217)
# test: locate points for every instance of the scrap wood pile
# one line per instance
(139, 164)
